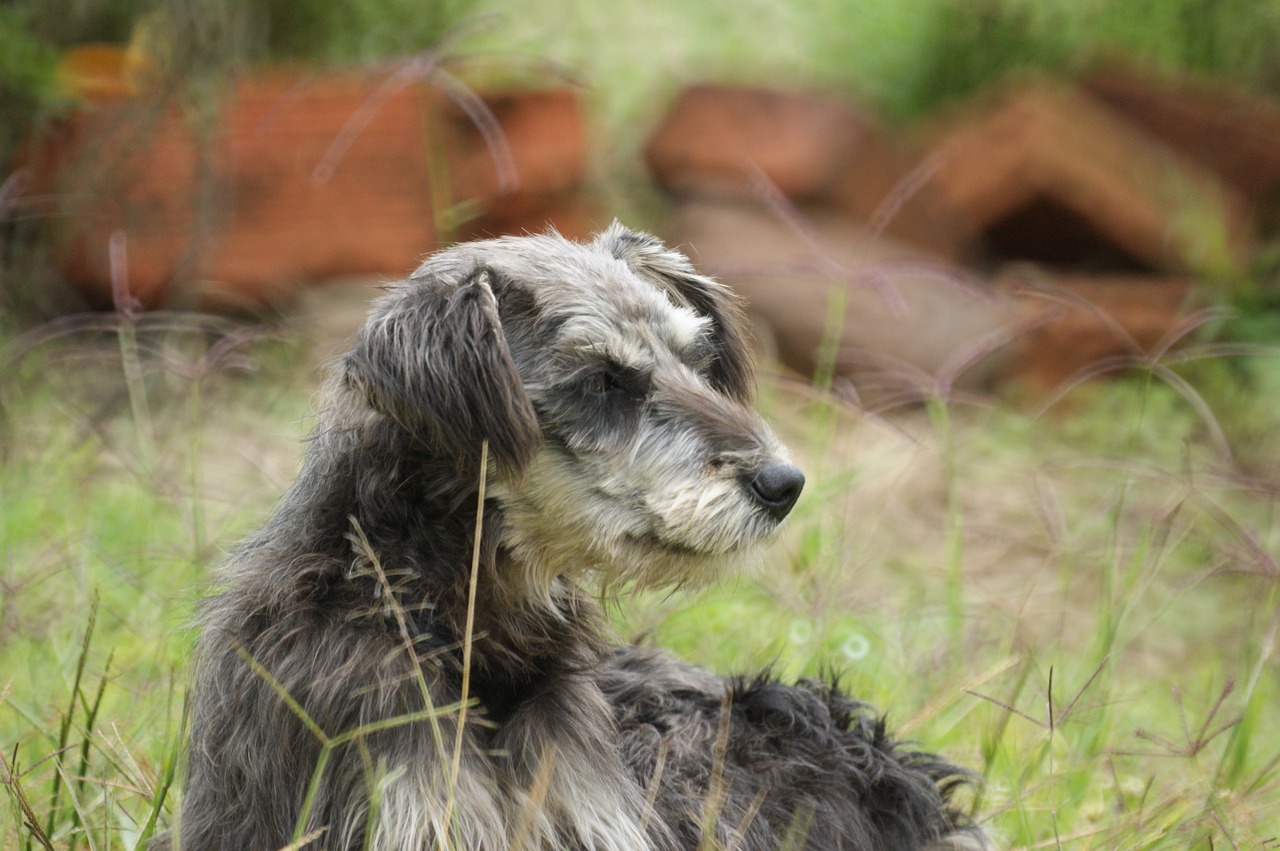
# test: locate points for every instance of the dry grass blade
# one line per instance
(1251, 549)
(1069, 300)
(417, 69)
(529, 813)
(1200, 406)
(91, 716)
(907, 188)
(1207, 733)
(313, 790)
(1007, 707)
(1184, 328)
(827, 262)
(947, 695)
(283, 694)
(1062, 716)
(655, 783)
(1099, 367)
(165, 782)
(13, 785)
(80, 816)
(487, 123)
(469, 629)
(303, 841)
(364, 552)
(64, 731)
(716, 791)
(974, 351)
(752, 811)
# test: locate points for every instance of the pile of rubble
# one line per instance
(300, 178)
(1038, 230)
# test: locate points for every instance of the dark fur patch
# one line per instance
(801, 766)
(436, 362)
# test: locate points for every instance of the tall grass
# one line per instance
(103, 551)
(1083, 606)
(1114, 661)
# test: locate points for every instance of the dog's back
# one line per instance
(758, 764)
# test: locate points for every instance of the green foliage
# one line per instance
(26, 75)
(970, 44)
(102, 557)
(345, 32)
(34, 32)
(26, 62)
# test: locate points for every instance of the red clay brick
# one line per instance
(264, 221)
(716, 140)
(715, 137)
(1229, 129)
(1042, 149)
(902, 313)
(1088, 319)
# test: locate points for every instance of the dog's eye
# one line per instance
(603, 383)
(615, 383)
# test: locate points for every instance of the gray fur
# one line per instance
(613, 386)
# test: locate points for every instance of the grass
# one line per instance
(105, 536)
(1083, 607)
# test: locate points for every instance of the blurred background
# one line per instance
(1012, 273)
(1079, 166)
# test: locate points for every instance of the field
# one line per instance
(1081, 606)
(1079, 597)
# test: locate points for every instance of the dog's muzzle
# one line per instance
(775, 487)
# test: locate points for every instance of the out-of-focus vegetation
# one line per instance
(194, 40)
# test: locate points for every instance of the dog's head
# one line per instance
(614, 386)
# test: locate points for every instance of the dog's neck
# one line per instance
(398, 529)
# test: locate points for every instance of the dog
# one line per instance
(411, 653)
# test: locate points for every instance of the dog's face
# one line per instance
(614, 387)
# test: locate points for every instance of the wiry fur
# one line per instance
(612, 385)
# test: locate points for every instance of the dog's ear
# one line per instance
(433, 358)
(647, 256)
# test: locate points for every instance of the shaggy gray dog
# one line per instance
(382, 670)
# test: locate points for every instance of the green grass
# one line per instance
(107, 530)
(1101, 648)
(1111, 669)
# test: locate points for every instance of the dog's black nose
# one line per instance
(777, 487)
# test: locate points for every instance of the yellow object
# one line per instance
(90, 72)
(95, 72)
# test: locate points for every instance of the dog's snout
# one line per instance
(776, 487)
